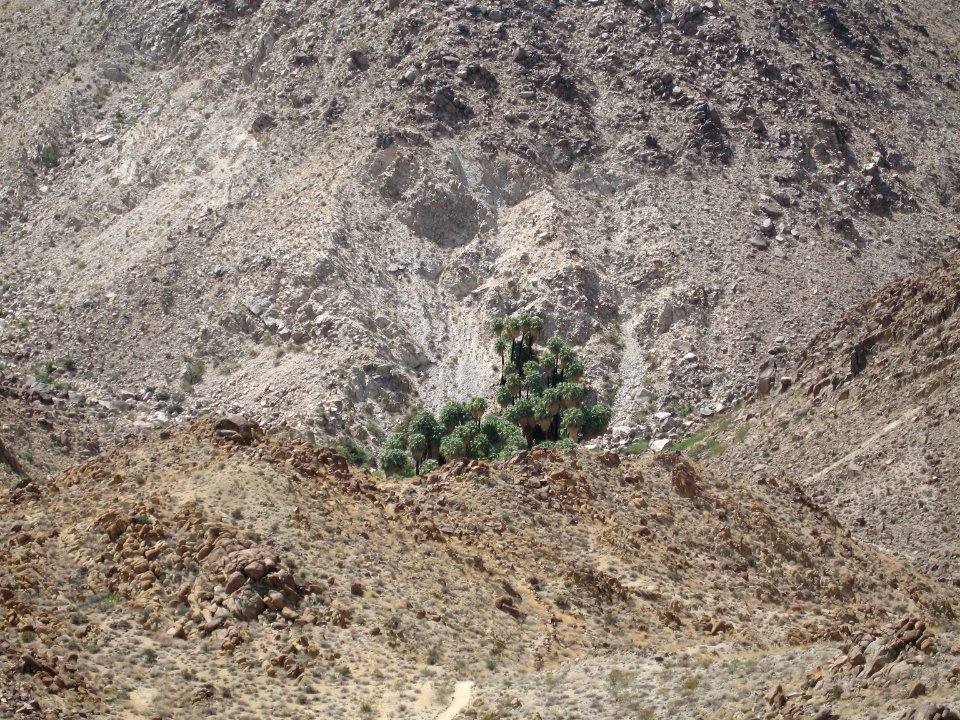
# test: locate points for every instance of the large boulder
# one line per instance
(237, 428)
(245, 604)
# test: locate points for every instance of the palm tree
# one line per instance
(477, 407)
(426, 424)
(513, 383)
(571, 421)
(418, 445)
(574, 371)
(452, 414)
(542, 415)
(500, 346)
(512, 329)
(597, 419)
(553, 399)
(466, 432)
(393, 461)
(452, 448)
(531, 376)
(536, 328)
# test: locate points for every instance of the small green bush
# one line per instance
(638, 448)
(353, 452)
(50, 156)
(685, 444)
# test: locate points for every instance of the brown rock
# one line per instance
(236, 428)
(685, 480)
(255, 570)
(776, 698)
(114, 524)
(234, 582)
(245, 604)
(721, 626)
(274, 600)
(177, 631)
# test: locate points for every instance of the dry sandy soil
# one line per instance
(190, 575)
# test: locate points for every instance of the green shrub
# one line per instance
(638, 448)
(394, 461)
(684, 444)
(353, 452)
(50, 156)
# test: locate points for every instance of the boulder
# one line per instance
(245, 604)
(234, 582)
(236, 428)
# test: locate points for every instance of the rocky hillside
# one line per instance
(867, 422)
(216, 567)
(310, 211)
(41, 435)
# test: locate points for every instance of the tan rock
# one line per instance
(234, 582)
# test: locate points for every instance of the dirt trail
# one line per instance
(461, 698)
(865, 445)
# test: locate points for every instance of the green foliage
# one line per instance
(428, 466)
(418, 445)
(561, 444)
(707, 446)
(477, 407)
(638, 448)
(50, 156)
(453, 414)
(596, 420)
(571, 421)
(394, 461)
(193, 373)
(503, 436)
(453, 448)
(540, 400)
(397, 441)
(352, 452)
(684, 444)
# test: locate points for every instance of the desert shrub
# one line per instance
(353, 452)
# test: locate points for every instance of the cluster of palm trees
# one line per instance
(540, 399)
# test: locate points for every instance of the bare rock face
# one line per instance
(8, 457)
(386, 180)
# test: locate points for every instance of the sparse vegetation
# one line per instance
(193, 373)
(638, 447)
(352, 451)
(50, 156)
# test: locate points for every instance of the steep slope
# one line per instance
(40, 435)
(195, 574)
(867, 422)
(309, 211)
